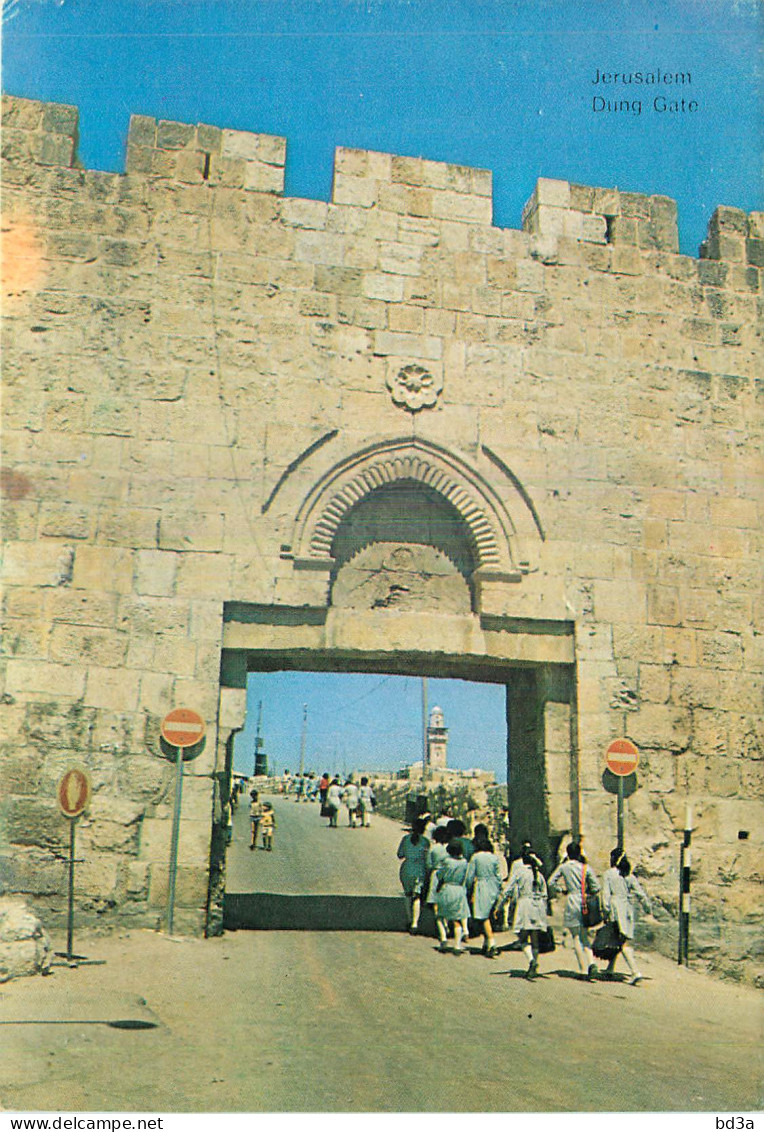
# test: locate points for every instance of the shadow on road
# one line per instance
(272, 911)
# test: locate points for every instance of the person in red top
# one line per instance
(323, 786)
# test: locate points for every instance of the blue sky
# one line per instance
(373, 722)
(493, 83)
(499, 84)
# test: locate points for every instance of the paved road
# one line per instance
(362, 1021)
(308, 857)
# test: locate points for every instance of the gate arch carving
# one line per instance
(490, 528)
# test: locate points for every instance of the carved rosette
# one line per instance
(414, 388)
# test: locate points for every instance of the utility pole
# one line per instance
(424, 734)
(257, 736)
(302, 740)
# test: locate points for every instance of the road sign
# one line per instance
(622, 757)
(182, 727)
(74, 792)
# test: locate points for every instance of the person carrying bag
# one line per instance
(591, 909)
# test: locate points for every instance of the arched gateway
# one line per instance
(247, 432)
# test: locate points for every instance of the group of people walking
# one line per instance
(460, 877)
(358, 799)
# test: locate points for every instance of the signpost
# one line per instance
(182, 729)
(622, 758)
(74, 793)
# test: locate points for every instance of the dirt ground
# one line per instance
(363, 1021)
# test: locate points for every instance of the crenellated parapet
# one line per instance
(602, 216)
(195, 155)
(412, 186)
(46, 134)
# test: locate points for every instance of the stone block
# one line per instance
(660, 726)
(116, 689)
(22, 113)
(156, 693)
(97, 879)
(36, 821)
(193, 842)
(191, 884)
(654, 685)
(24, 944)
(136, 879)
(233, 708)
(553, 192)
(415, 346)
(155, 572)
(382, 285)
(191, 531)
(142, 131)
(262, 177)
(65, 521)
(79, 607)
(30, 679)
(607, 202)
(359, 191)
(309, 214)
(174, 135)
(594, 229)
(204, 575)
(37, 564)
(339, 280)
(462, 207)
(56, 149)
(78, 644)
(129, 526)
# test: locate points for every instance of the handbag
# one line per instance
(546, 941)
(607, 941)
(591, 911)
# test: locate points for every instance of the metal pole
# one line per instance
(302, 740)
(425, 752)
(174, 839)
(685, 906)
(620, 811)
(680, 948)
(257, 736)
(70, 915)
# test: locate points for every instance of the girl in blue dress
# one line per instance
(451, 897)
(484, 879)
(412, 852)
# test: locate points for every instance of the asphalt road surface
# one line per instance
(309, 857)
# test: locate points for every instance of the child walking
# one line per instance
(268, 825)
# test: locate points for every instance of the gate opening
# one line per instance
(497, 740)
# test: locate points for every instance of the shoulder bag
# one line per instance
(590, 904)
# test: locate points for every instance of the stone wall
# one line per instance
(190, 360)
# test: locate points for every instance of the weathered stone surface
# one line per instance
(189, 428)
(24, 945)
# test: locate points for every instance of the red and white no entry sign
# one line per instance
(74, 792)
(182, 727)
(622, 757)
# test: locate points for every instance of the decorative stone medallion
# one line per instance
(414, 387)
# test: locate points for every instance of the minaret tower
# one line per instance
(437, 740)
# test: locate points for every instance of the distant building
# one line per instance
(437, 740)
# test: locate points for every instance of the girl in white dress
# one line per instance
(527, 888)
(618, 888)
(569, 876)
